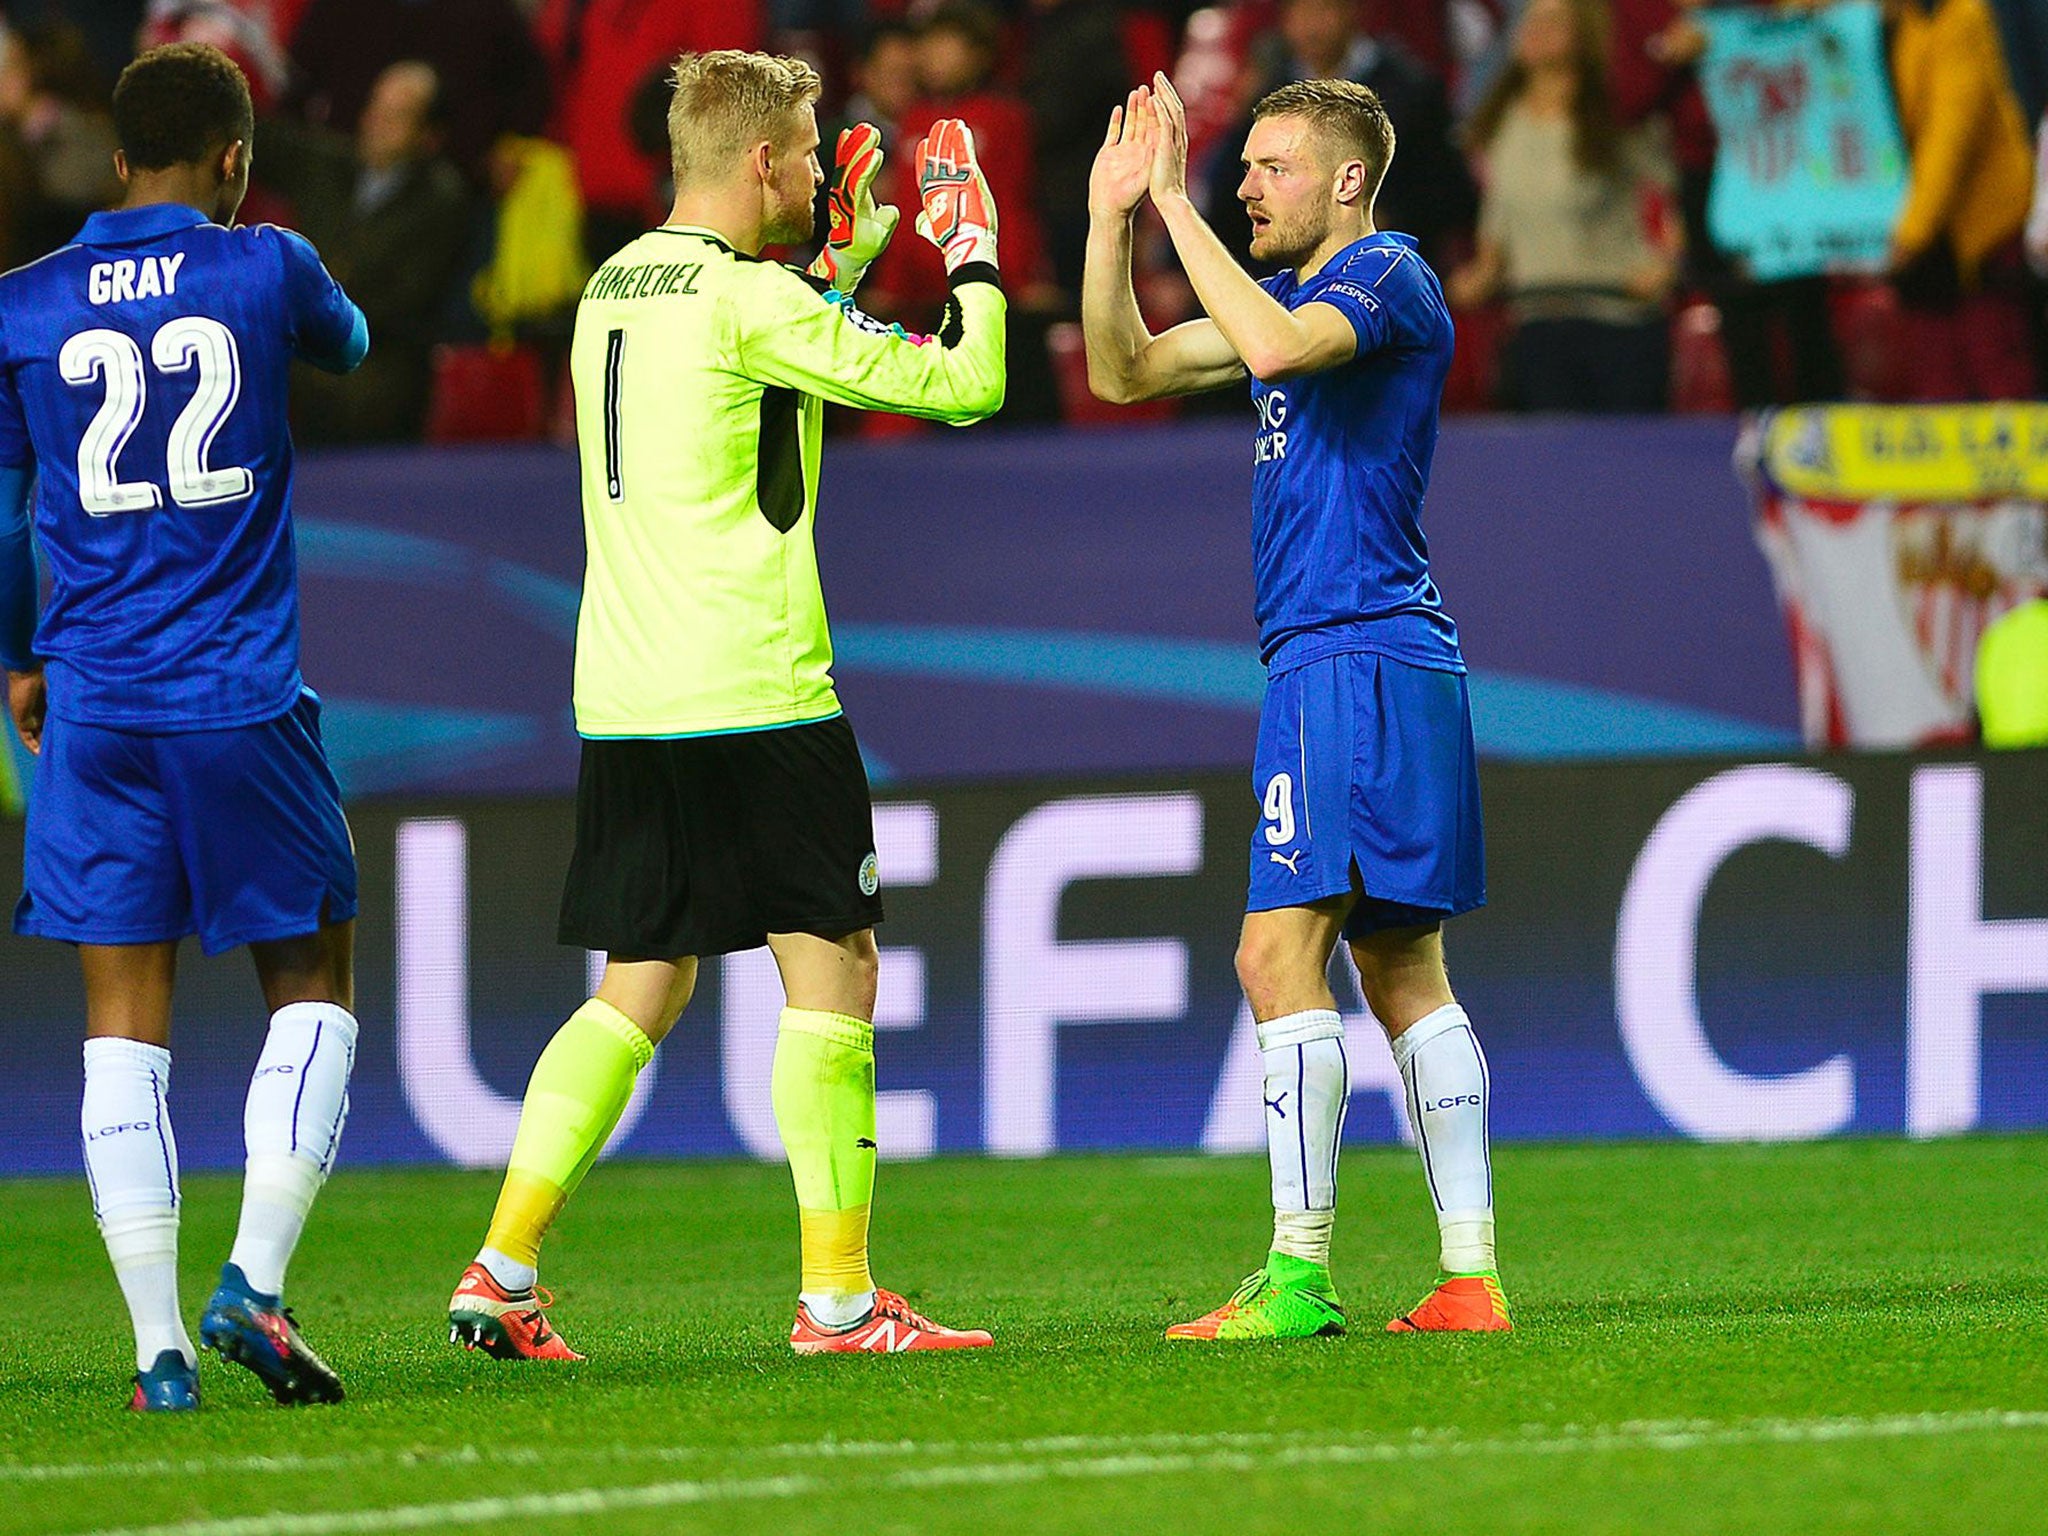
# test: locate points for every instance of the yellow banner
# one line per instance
(1909, 452)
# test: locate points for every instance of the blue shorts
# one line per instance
(1368, 785)
(235, 835)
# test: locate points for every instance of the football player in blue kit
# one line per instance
(1365, 766)
(181, 785)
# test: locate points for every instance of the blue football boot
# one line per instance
(169, 1386)
(254, 1330)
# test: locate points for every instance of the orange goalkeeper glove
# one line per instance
(959, 214)
(857, 230)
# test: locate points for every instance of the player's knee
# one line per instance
(1402, 983)
(318, 968)
(1268, 974)
(864, 967)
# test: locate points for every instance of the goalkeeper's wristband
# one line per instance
(974, 272)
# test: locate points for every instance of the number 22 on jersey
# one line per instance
(186, 344)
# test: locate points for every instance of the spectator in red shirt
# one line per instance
(601, 54)
(956, 57)
(251, 32)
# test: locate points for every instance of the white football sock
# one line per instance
(1445, 1072)
(1308, 1086)
(291, 1127)
(131, 1162)
(837, 1309)
(512, 1276)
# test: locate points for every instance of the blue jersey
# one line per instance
(143, 374)
(1340, 466)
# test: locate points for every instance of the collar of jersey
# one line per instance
(700, 231)
(130, 226)
(1333, 267)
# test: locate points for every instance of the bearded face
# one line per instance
(792, 186)
(1287, 190)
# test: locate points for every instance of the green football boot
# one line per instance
(1289, 1299)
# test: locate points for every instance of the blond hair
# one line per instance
(726, 102)
(1346, 115)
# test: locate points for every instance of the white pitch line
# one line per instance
(1199, 1454)
(290, 1462)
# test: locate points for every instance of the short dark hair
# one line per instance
(180, 104)
(1350, 116)
(969, 19)
(887, 30)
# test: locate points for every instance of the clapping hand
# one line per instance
(1169, 177)
(858, 229)
(959, 215)
(1123, 166)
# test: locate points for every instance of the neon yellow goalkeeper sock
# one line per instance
(824, 1096)
(578, 1090)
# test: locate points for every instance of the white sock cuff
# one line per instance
(1301, 1029)
(1304, 1234)
(105, 1051)
(289, 1179)
(322, 1016)
(512, 1276)
(142, 1237)
(1425, 1029)
(1466, 1239)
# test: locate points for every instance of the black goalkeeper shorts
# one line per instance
(707, 844)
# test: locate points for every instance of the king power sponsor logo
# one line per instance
(1038, 986)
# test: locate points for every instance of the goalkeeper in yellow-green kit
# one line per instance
(721, 803)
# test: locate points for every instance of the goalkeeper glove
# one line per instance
(857, 230)
(959, 214)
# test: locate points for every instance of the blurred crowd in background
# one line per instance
(463, 164)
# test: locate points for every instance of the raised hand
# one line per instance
(1169, 170)
(959, 214)
(1123, 166)
(858, 230)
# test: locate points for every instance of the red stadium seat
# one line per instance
(1148, 40)
(486, 394)
(1871, 334)
(1701, 384)
(1475, 364)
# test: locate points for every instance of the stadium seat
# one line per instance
(1148, 40)
(1701, 384)
(1871, 334)
(1475, 363)
(486, 394)
(561, 424)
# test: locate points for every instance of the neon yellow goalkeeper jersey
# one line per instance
(700, 376)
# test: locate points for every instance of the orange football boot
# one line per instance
(1459, 1304)
(891, 1328)
(483, 1315)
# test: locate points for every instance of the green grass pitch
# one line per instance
(1843, 1337)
